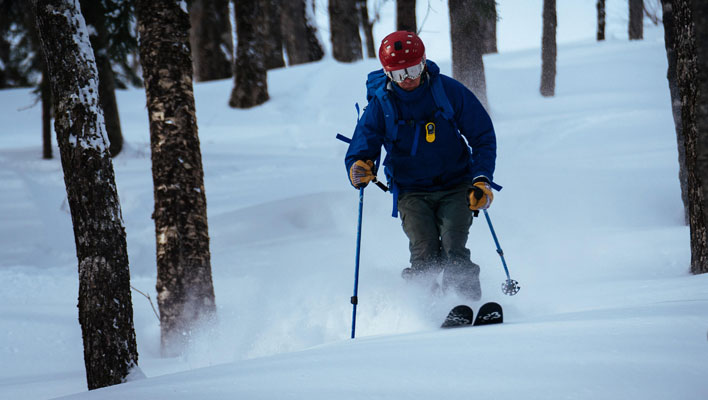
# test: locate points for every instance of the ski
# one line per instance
(459, 316)
(489, 313)
(462, 315)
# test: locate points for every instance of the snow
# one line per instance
(590, 219)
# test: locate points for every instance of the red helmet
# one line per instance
(400, 50)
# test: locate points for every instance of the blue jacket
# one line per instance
(413, 163)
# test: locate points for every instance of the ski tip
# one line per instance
(459, 316)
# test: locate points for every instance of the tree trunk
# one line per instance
(368, 28)
(94, 13)
(46, 93)
(636, 16)
(466, 36)
(669, 43)
(489, 27)
(273, 35)
(300, 32)
(185, 292)
(405, 16)
(690, 43)
(344, 28)
(105, 305)
(600, 20)
(250, 74)
(548, 49)
(211, 40)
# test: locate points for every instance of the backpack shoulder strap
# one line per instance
(441, 101)
(376, 87)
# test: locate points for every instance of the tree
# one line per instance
(466, 33)
(548, 49)
(185, 291)
(344, 27)
(105, 305)
(273, 35)
(94, 12)
(489, 27)
(669, 31)
(636, 16)
(367, 26)
(250, 74)
(405, 16)
(601, 20)
(210, 38)
(689, 27)
(300, 32)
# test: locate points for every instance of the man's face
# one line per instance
(409, 84)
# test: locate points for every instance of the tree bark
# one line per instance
(669, 31)
(636, 17)
(46, 93)
(250, 74)
(548, 49)
(185, 292)
(690, 43)
(405, 16)
(467, 38)
(601, 20)
(368, 28)
(273, 35)
(489, 27)
(300, 36)
(211, 40)
(94, 13)
(105, 305)
(344, 27)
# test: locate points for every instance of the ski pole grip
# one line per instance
(381, 185)
(355, 300)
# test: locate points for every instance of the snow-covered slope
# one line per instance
(590, 219)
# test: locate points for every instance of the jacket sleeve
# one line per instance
(368, 136)
(476, 126)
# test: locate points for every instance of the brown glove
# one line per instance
(480, 196)
(361, 173)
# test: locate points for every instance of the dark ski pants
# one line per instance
(437, 225)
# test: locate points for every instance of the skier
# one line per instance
(440, 159)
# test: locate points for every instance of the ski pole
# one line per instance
(510, 287)
(354, 298)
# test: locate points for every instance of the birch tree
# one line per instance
(185, 292)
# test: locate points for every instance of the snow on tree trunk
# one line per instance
(405, 16)
(548, 49)
(636, 17)
(185, 291)
(211, 40)
(302, 42)
(105, 305)
(250, 74)
(94, 13)
(466, 18)
(690, 33)
(344, 28)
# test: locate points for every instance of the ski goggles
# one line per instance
(412, 72)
